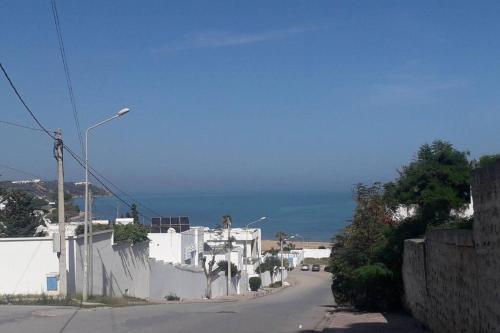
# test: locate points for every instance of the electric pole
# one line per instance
(281, 250)
(228, 222)
(91, 244)
(58, 153)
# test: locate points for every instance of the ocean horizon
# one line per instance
(315, 216)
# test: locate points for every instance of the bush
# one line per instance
(276, 284)
(222, 266)
(255, 283)
(135, 233)
(172, 297)
(372, 287)
(270, 263)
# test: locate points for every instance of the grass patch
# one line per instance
(276, 284)
(114, 301)
(43, 299)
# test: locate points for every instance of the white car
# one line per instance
(304, 268)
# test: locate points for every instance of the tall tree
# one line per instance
(18, 217)
(134, 213)
(436, 181)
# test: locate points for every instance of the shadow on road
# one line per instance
(362, 322)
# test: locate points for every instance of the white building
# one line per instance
(247, 240)
(177, 248)
(27, 181)
(124, 220)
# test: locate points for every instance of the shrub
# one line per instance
(135, 233)
(255, 283)
(172, 297)
(372, 287)
(321, 247)
(276, 284)
(222, 266)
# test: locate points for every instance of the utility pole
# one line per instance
(58, 153)
(229, 255)
(91, 244)
(281, 250)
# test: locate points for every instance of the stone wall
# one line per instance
(452, 277)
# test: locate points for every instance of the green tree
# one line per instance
(134, 213)
(487, 160)
(436, 181)
(18, 218)
(355, 260)
(270, 264)
(222, 266)
(135, 233)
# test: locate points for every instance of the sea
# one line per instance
(313, 216)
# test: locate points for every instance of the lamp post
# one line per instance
(263, 218)
(86, 221)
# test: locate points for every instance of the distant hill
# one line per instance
(48, 189)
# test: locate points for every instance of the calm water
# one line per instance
(315, 216)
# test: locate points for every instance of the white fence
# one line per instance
(317, 253)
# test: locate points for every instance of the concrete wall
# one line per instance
(317, 253)
(118, 269)
(25, 263)
(167, 279)
(452, 277)
(185, 282)
(166, 247)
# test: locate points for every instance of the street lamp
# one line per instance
(86, 221)
(282, 240)
(263, 218)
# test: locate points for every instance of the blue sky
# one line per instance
(251, 96)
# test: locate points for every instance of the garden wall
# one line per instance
(452, 277)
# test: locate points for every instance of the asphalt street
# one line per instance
(296, 308)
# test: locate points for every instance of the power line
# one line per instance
(24, 103)
(69, 84)
(21, 126)
(69, 150)
(134, 200)
(17, 170)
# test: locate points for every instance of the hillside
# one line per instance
(48, 189)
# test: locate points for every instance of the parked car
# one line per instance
(304, 268)
(316, 268)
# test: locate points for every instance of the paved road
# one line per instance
(296, 308)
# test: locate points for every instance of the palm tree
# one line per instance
(281, 237)
(226, 221)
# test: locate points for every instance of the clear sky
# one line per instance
(251, 95)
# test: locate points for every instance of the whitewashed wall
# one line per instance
(25, 263)
(118, 269)
(166, 247)
(317, 253)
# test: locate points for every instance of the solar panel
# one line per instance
(162, 224)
